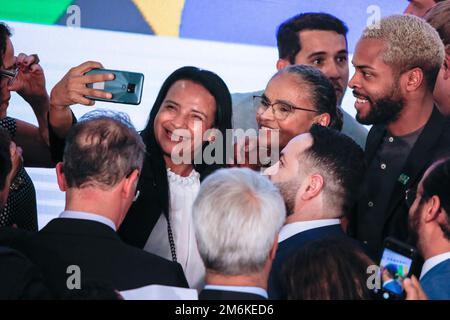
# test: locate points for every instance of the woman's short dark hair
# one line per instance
(329, 269)
(219, 90)
(321, 90)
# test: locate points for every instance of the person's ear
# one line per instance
(323, 119)
(432, 209)
(282, 63)
(62, 184)
(130, 184)
(413, 79)
(314, 187)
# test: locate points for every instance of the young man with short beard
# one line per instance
(429, 223)
(396, 67)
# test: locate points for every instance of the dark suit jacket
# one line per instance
(19, 278)
(432, 144)
(208, 294)
(287, 247)
(100, 254)
(436, 282)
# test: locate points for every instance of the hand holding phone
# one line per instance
(398, 262)
(71, 89)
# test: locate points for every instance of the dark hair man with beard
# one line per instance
(396, 69)
(429, 222)
(318, 175)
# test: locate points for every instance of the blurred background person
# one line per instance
(439, 17)
(420, 7)
(328, 269)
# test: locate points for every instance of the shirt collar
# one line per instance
(430, 263)
(68, 214)
(294, 228)
(254, 290)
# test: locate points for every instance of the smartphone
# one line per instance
(125, 88)
(399, 261)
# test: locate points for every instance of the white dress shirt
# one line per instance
(254, 290)
(291, 229)
(432, 262)
(68, 214)
(183, 191)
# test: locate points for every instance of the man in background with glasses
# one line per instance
(429, 227)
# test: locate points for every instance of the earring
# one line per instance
(136, 196)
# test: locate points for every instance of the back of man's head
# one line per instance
(340, 161)
(288, 41)
(437, 183)
(237, 216)
(101, 150)
(410, 43)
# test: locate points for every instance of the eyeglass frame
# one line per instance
(12, 75)
(270, 105)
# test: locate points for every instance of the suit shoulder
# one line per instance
(244, 97)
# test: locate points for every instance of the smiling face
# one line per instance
(327, 51)
(8, 63)
(287, 88)
(287, 173)
(187, 111)
(374, 84)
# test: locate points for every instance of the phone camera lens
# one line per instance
(131, 87)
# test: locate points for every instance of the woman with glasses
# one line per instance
(24, 75)
(295, 98)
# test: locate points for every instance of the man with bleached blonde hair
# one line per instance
(396, 66)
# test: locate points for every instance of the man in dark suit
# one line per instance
(429, 223)
(102, 160)
(318, 175)
(237, 216)
(396, 67)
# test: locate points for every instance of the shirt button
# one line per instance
(391, 139)
(370, 204)
(383, 166)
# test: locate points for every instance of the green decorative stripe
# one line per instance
(35, 11)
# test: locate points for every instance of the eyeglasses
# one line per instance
(281, 110)
(10, 74)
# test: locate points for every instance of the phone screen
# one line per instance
(394, 267)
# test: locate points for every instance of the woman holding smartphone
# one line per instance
(190, 102)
